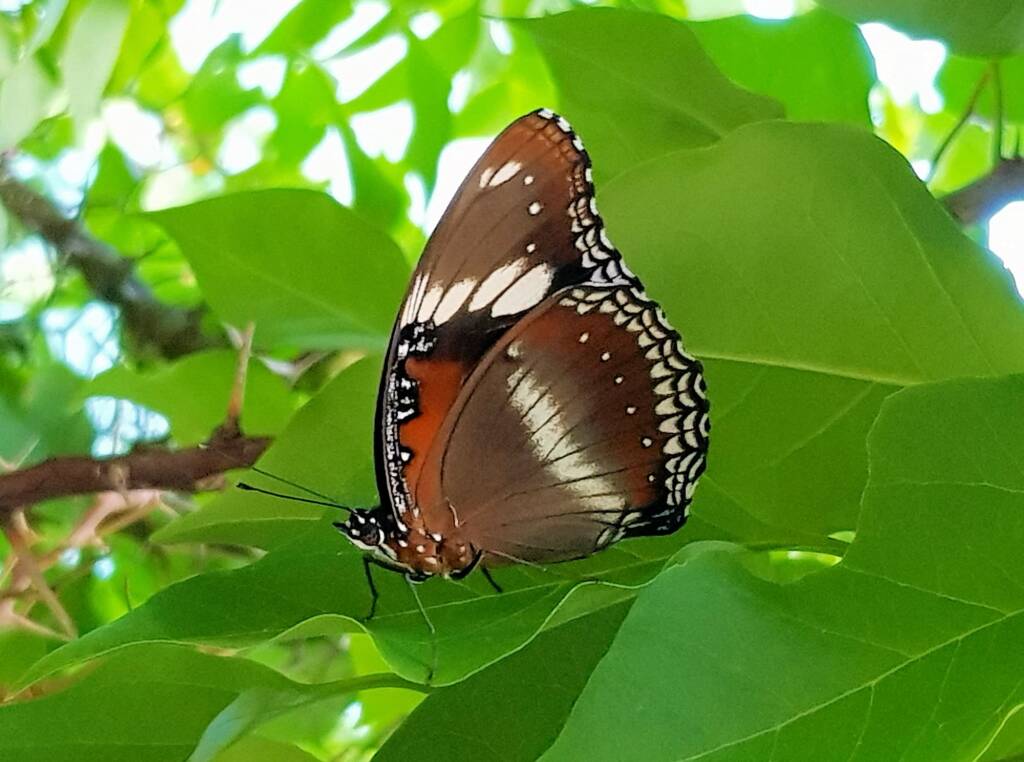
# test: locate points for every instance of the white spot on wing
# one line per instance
(525, 292)
(528, 180)
(485, 176)
(535, 208)
(495, 283)
(430, 302)
(454, 298)
(505, 172)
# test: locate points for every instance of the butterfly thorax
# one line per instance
(411, 547)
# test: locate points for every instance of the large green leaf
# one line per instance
(911, 648)
(971, 27)
(308, 271)
(337, 427)
(814, 272)
(90, 53)
(145, 704)
(472, 720)
(193, 393)
(638, 85)
(438, 632)
(816, 64)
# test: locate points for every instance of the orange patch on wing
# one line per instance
(439, 385)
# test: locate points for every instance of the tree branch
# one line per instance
(187, 470)
(984, 197)
(172, 331)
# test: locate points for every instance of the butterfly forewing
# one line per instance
(586, 423)
(522, 226)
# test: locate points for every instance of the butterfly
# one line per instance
(535, 405)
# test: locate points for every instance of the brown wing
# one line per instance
(522, 226)
(586, 423)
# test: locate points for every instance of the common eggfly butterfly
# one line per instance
(535, 405)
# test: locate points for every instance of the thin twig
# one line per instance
(237, 400)
(27, 565)
(968, 110)
(997, 127)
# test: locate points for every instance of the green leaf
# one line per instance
(89, 55)
(337, 424)
(472, 720)
(428, 86)
(196, 409)
(319, 576)
(214, 95)
(638, 85)
(309, 272)
(816, 64)
(256, 749)
(304, 26)
(144, 704)
(970, 27)
(815, 274)
(910, 648)
(27, 96)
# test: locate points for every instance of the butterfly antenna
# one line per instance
(430, 629)
(328, 503)
(290, 483)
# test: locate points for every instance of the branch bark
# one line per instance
(984, 197)
(172, 331)
(187, 470)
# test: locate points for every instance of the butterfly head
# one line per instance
(367, 529)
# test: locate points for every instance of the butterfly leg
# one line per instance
(489, 578)
(374, 595)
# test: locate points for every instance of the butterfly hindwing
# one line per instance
(586, 423)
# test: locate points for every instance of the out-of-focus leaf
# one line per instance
(44, 417)
(970, 27)
(377, 196)
(48, 15)
(193, 394)
(815, 274)
(638, 85)
(163, 79)
(907, 649)
(170, 693)
(304, 26)
(20, 650)
(214, 95)
(472, 720)
(959, 77)
(115, 181)
(90, 53)
(147, 27)
(428, 86)
(27, 96)
(309, 272)
(336, 425)
(816, 64)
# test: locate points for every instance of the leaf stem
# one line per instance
(968, 110)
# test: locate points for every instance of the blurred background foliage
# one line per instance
(283, 162)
